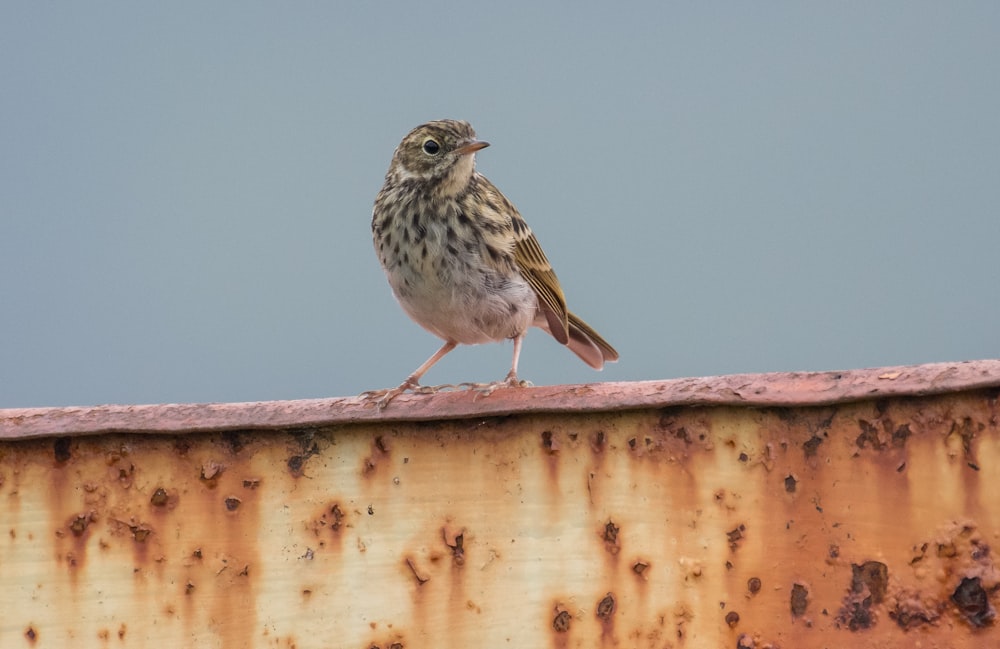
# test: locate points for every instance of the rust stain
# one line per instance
(799, 599)
(609, 534)
(561, 622)
(421, 578)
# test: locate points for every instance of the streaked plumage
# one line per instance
(460, 259)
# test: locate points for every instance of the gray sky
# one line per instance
(186, 188)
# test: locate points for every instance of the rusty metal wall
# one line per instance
(867, 524)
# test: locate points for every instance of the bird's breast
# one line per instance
(450, 275)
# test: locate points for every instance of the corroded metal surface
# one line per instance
(861, 524)
(775, 389)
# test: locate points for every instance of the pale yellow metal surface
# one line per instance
(863, 524)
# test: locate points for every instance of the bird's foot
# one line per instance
(384, 396)
(486, 389)
(381, 398)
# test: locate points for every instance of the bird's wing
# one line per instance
(528, 256)
(537, 270)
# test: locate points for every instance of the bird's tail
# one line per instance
(585, 342)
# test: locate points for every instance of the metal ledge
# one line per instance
(754, 390)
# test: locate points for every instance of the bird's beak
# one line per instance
(471, 147)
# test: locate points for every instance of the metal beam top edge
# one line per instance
(777, 389)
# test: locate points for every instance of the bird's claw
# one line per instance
(486, 389)
(381, 398)
(384, 396)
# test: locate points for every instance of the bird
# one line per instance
(460, 259)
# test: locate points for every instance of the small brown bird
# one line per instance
(461, 261)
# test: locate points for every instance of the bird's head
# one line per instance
(442, 151)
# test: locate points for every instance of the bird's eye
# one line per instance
(431, 147)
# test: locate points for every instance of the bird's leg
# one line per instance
(510, 381)
(412, 382)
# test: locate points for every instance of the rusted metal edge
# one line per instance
(751, 390)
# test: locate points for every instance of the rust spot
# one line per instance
(639, 567)
(61, 449)
(736, 535)
(869, 435)
(746, 641)
(234, 439)
(973, 603)
(947, 550)
(159, 497)
(965, 431)
(197, 553)
(670, 423)
(790, 483)
(753, 585)
(251, 483)
(920, 555)
(599, 441)
(421, 580)
(123, 473)
(379, 449)
(121, 631)
(610, 537)
(856, 614)
(140, 532)
(799, 600)
(188, 588)
(456, 543)
(396, 645)
(561, 621)
(549, 443)
(295, 463)
(233, 503)
(336, 517)
(833, 551)
(79, 523)
(811, 445)
(31, 634)
(900, 435)
(872, 576)
(909, 612)
(732, 619)
(606, 607)
(743, 457)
